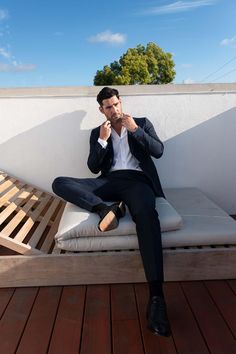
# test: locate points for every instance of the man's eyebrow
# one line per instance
(114, 104)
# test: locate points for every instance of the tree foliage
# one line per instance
(140, 65)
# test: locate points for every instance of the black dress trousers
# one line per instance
(135, 190)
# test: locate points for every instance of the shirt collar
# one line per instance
(115, 135)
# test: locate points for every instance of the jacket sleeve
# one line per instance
(96, 154)
(146, 136)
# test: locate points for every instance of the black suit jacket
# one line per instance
(143, 144)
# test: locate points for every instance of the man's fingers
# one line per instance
(107, 124)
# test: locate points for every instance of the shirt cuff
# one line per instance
(102, 142)
(137, 132)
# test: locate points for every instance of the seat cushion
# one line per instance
(204, 223)
(78, 223)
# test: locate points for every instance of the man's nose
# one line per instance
(114, 109)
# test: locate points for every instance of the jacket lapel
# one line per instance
(131, 143)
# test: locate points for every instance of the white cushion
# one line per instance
(77, 222)
(204, 223)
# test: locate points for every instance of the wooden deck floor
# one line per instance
(105, 319)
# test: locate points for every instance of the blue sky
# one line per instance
(64, 43)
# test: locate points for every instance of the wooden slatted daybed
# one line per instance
(29, 220)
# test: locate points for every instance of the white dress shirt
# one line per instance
(123, 159)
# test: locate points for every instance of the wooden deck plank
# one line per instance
(66, 335)
(40, 324)
(126, 332)
(186, 334)
(96, 330)
(215, 331)
(13, 322)
(41, 321)
(152, 344)
(225, 300)
(232, 284)
(5, 297)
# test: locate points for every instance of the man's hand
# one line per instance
(129, 123)
(105, 130)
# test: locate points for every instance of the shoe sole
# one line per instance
(109, 222)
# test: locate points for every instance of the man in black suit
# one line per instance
(121, 149)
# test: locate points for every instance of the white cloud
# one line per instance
(178, 6)
(108, 37)
(10, 65)
(16, 67)
(188, 81)
(4, 53)
(229, 42)
(3, 14)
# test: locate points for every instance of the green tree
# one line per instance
(140, 65)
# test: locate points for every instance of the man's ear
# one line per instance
(101, 109)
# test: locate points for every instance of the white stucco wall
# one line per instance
(44, 133)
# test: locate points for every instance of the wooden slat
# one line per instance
(54, 269)
(20, 215)
(2, 176)
(11, 193)
(7, 184)
(56, 250)
(216, 333)
(15, 202)
(43, 224)
(99, 268)
(66, 335)
(16, 246)
(225, 299)
(49, 240)
(152, 343)
(96, 329)
(14, 319)
(126, 331)
(22, 233)
(39, 327)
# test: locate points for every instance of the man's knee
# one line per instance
(58, 184)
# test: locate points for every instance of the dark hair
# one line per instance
(105, 93)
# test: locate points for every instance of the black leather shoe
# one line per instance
(157, 317)
(110, 216)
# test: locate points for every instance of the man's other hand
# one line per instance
(129, 123)
(105, 130)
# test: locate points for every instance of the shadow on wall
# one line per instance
(56, 147)
(205, 157)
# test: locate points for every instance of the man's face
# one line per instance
(112, 109)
